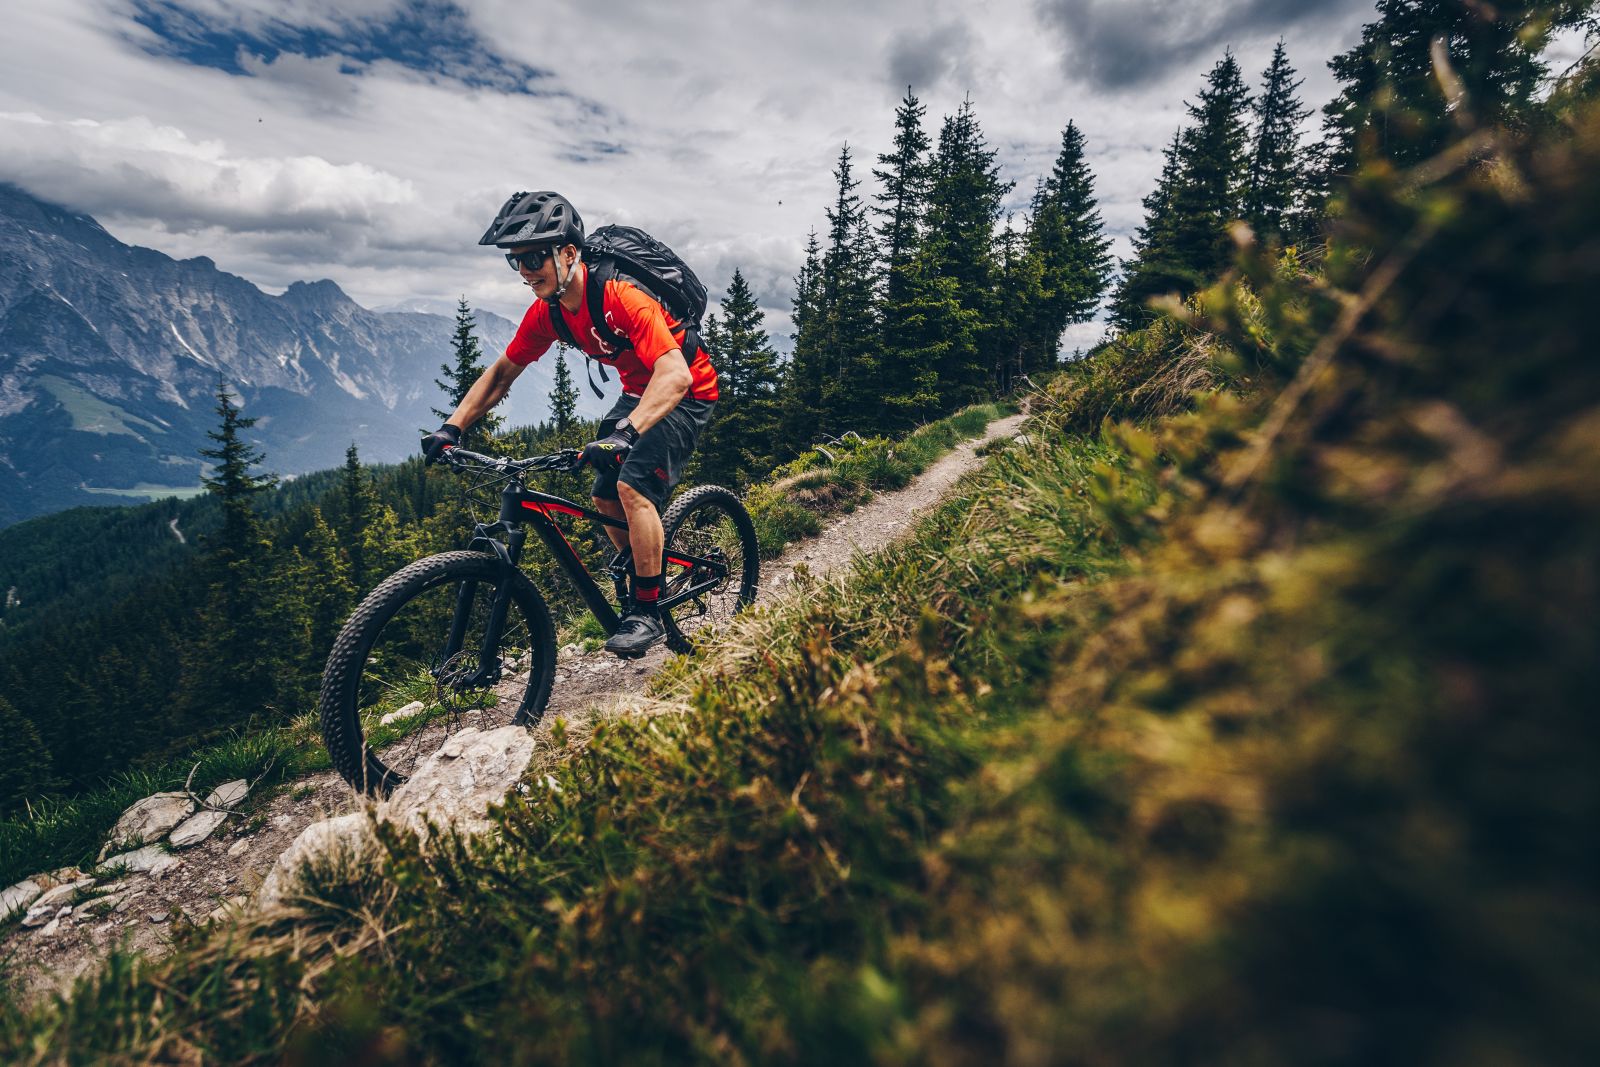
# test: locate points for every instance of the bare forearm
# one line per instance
(669, 381)
(490, 388)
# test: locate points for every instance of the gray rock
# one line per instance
(53, 898)
(452, 789)
(37, 917)
(51, 927)
(158, 916)
(414, 708)
(196, 828)
(147, 860)
(239, 847)
(342, 839)
(18, 897)
(455, 786)
(100, 905)
(148, 820)
(228, 794)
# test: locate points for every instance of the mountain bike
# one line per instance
(465, 638)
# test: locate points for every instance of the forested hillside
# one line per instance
(1242, 715)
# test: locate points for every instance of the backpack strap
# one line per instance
(558, 322)
(594, 292)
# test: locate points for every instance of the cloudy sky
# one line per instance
(370, 141)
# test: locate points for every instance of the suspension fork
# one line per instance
(488, 671)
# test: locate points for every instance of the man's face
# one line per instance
(538, 270)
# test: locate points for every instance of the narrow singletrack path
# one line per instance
(231, 864)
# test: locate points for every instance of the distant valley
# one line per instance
(110, 356)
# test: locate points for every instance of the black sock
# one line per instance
(646, 591)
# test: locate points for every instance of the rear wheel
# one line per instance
(709, 523)
(409, 669)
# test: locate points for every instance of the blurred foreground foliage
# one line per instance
(1261, 732)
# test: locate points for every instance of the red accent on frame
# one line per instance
(680, 561)
(548, 508)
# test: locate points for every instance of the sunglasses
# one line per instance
(530, 259)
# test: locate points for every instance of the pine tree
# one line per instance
(800, 394)
(563, 399)
(1184, 244)
(903, 197)
(848, 332)
(234, 668)
(1392, 105)
(739, 442)
(959, 248)
(232, 481)
(907, 388)
(357, 500)
(1067, 237)
(1025, 305)
(460, 375)
(1275, 186)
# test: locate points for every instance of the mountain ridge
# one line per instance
(110, 356)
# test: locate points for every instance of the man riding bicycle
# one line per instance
(649, 434)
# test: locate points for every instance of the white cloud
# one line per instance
(382, 177)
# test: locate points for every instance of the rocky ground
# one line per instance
(81, 915)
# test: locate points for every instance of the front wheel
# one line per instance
(413, 664)
(711, 551)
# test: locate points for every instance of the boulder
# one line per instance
(148, 820)
(196, 828)
(342, 839)
(228, 794)
(150, 859)
(452, 789)
(19, 897)
(416, 707)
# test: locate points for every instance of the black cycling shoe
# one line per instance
(635, 634)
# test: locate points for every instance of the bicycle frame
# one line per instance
(520, 507)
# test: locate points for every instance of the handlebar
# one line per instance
(458, 457)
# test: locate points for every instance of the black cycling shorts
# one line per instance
(655, 463)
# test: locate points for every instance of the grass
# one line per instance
(68, 831)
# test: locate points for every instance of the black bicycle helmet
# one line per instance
(530, 218)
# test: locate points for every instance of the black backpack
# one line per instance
(629, 254)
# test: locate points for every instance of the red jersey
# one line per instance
(650, 329)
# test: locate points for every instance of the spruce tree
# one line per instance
(902, 198)
(563, 399)
(739, 442)
(1067, 237)
(800, 396)
(462, 372)
(1275, 186)
(234, 669)
(1184, 244)
(848, 333)
(357, 500)
(907, 389)
(964, 200)
(1391, 104)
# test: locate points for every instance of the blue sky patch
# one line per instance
(431, 37)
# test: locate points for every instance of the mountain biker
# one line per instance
(650, 432)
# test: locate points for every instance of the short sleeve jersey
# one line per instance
(651, 331)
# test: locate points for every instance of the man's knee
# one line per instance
(631, 497)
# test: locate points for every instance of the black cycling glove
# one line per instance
(433, 445)
(609, 451)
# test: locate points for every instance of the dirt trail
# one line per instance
(233, 862)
